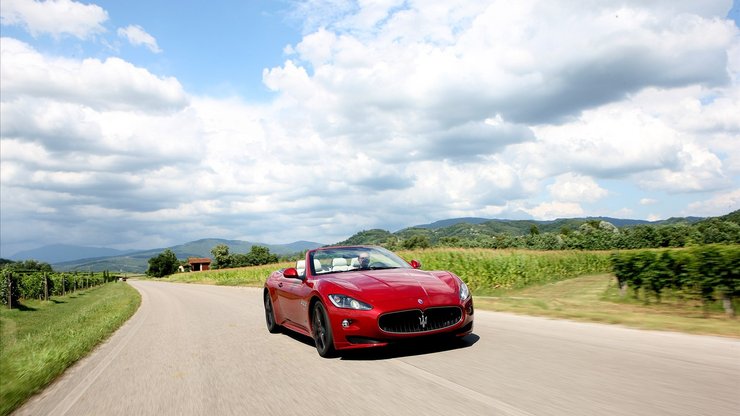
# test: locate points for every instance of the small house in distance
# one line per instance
(199, 264)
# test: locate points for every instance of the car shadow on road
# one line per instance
(418, 346)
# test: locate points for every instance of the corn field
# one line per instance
(486, 271)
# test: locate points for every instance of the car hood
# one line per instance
(407, 286)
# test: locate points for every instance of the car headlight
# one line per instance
(464, 291)
(346, 302)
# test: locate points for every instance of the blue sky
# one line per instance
(215, 48)
(146, 124)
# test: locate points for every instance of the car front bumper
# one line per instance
(354, 329)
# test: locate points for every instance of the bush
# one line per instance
(9, 291)
(163, 264)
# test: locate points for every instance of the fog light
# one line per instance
(345, 323)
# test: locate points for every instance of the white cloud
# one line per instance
(56, 17)
(554, 210)
(110, 84)
(648, 201)
(661, 148)
(720, 203)
(136, 35)
(696, 169)
(570, 187)
(654, 217)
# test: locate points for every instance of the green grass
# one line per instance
(41, 339)
(243, 276)
(596, 298)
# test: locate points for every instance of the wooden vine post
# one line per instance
(9, 283)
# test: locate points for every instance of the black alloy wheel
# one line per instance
(321, 329)
(272, 326)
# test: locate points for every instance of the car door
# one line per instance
(293, 295)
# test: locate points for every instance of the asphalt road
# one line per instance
(204, 350)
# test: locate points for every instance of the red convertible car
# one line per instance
(364, 296)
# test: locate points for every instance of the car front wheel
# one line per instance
(321, 329)
(272, 326)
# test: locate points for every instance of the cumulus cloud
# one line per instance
(136, 35)
(89, 139)
(519, 61)
(555, 210)
(385, 114)
(719, 204)
(622, 140)
(574, 188)
(55, 17)
(112, 84)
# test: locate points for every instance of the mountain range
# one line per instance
(554, 224)
(71, 258)
(470, 227)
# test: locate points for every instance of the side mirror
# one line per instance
(291, 273)
(416, 264)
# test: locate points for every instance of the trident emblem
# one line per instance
(423, 320)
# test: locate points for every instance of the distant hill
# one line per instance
(472, 227)
(373, 237)
(453, 221)
(732, 217)
(137, 261)
(56, 253)
(503, 223)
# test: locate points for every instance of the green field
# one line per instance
(41, 339)
(493, 271)
(597, 298)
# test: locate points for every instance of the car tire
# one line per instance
(272, 325)
(321, 331)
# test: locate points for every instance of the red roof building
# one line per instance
(199, 264)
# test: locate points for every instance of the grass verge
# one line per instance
(243, 276)
(41, 339)
(596, 298)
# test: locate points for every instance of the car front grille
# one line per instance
(415, 320)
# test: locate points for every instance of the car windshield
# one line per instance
(346, 259)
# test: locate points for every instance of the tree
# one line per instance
(260, 255)
(534, 230)
(163, 264)
(417, 241)
(26, 266)
(222, 257)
